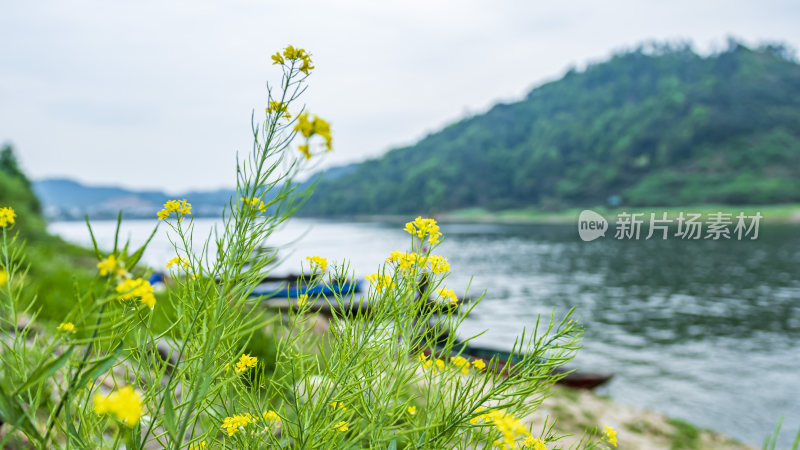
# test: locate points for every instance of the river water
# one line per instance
(705, 331)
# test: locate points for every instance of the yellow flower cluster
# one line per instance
(198, 446)
(132, 288)
(179, 207)
(3, 277)
(412, 410)
(232, 424)
(302, 300)
(292, 54)
(534, 443)
(380, 281)
(459, 362)
(448, 294)
(111, 265)
(319, 261)
(125, 403)
(255, 203)
(245, 362)
(611, 435)
(271, 416)
(438, 264)
(7, 216)
(511, 427)
(67, 327)
(337, 405)
(436, 365)
(405, 261)
(309, 128)
(424, 227)
(178, 261)
(278, 108)
(341, 426)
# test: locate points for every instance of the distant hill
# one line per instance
(68, 199)
(659, 125)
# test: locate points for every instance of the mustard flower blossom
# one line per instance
(337, 405)
(461, 362)
(479, 364)
(534, 443)
(179, 207)
(178, 261)
(277, 58)
(510, 427)
(67, 327)
(405, 261)
(380, 281)
(308, 128)
(611, 435)
(255, 203)
(341, 426)
(132, 288)
(245, 362)
(412, 410)
(438, 264)
(7, 216)
(448, 294)
(198, 446)
(232, 424)
(125, 403)
(278, 108)
(3, 277)
(302, 300)
(271, 416)
(110, 265)
(424, 227)
(319, 261)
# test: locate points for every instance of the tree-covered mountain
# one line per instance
(659, 125)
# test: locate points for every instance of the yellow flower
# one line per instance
(125, 403)
(438, 264)
(302, 300)
(132, 288)
(534, 443)
(272, 416)
(277, 58)
(337, 405)
(3, 277)
(180, 261)
(412, 410)
(319, 261)
(278, 108)
(479, 364)
(479, 418)
(245, 362)
(232, 424)
(179, 207)
(107, 265)
(460, 361)
(380, 281)
(294, 54)
(7, 216)
(303, 148)
(198, 446)
(448, 294)
(611, 435)
(424, 227)
(68, 327)
(255, 203)
(304, 126)
(405, 261)
(341, 426)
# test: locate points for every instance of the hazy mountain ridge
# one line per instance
(655, 126)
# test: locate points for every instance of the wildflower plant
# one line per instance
(382, 375)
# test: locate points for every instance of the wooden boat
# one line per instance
(505, 361)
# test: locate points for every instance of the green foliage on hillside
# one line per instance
(660, 125)
(53, 265)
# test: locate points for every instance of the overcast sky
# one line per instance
(156, 94)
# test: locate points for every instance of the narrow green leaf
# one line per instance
(393, 445)
(116, 232)
(45, 371)
(94, 241)
(169, 417)
(137, 255)
(74, 437)
(101, 366)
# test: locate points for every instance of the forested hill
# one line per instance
(662, 126)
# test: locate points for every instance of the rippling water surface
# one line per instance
(706, 331)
